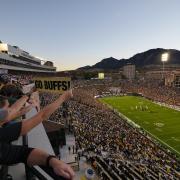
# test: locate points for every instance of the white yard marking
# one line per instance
(159, 125)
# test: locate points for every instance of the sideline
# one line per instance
(177, 108)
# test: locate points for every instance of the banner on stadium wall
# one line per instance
(53, 84)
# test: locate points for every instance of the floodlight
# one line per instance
(164, 57)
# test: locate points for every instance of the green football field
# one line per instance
(163, 123)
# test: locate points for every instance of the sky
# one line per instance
(75, 33)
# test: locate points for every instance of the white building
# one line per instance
(14, 58)
(129, 71)
(173, 79)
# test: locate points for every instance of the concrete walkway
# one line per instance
(66, 155)
(69, 157)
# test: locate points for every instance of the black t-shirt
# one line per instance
(10, 132)
(12, 154)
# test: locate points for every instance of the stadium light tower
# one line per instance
(164, 58)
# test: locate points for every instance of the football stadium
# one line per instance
(76, 113)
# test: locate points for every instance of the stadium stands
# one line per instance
(115, 149)
(99, 129)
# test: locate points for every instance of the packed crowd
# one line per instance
(99, 130)
(116, 149)
(17, 79)
(154, 90)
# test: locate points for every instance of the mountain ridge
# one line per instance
(149, 57)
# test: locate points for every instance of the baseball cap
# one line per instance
(3, 114)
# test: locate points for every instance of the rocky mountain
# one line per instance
(150, 57)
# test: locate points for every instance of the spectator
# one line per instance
(12, 154)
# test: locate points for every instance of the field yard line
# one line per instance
(137, 126)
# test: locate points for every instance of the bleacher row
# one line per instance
(122, 170)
